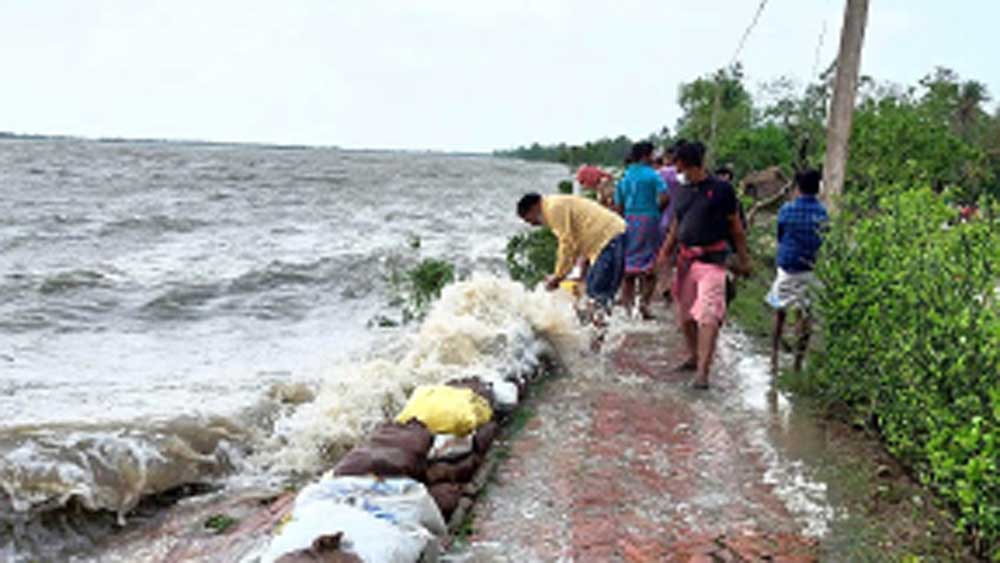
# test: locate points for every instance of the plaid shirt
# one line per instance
(799, 233)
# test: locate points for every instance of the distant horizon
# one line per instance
(15, 135)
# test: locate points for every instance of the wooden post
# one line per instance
(845, 91)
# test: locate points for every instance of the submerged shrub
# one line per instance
(911, 332)
(531, 256)
(414, 289)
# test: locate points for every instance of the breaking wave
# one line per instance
(486, 327)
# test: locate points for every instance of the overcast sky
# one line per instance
(434, 74)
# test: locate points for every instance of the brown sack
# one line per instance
(484, 437)
(382, 462)
(412, 437)
(446, 496)
(461, 471)
(324, 549)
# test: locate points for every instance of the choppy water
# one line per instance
(168, 312)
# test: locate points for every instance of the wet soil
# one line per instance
(627, 462)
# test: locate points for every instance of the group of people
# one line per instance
(670, 223)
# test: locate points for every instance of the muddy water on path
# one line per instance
(623, 460)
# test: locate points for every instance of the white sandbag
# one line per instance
(401, 501)
(371, 539)
(450, 447)
(505, 393)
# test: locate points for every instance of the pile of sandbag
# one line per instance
(360, 519)
(387, 500)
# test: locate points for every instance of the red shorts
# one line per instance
(701, 294)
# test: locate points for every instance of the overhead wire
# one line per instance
(736, 55)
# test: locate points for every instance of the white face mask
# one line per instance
(682, 178)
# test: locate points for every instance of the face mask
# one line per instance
(682, 178)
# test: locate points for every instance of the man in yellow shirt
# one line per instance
(587, 231)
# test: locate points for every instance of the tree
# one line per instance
(698, 102)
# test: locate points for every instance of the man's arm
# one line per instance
(559, 221)
(662, 192)
(668, 247)
(739, 238)
(619, 200)
(664, 200)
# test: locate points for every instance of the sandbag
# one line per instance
(401, 501)
(448, 447)
(482, 388)
(506, 395)
(447, 497)
(461, 471)
(484, 436)
(446, 410)
(372, 539)
(380, 461)
(412, 437)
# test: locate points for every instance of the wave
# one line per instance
(108, 467)
(153, 224)
(355, 275)
(485, 327)
(70, 280)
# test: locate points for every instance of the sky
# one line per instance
(461, 75)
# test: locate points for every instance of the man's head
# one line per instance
(642, 152)
(807, 181)
(724, 173)
(690, 161)
(529, 208)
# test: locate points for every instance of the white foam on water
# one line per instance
(485, 326)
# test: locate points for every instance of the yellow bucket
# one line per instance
(573, 287)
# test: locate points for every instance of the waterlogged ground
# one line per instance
(623, 461)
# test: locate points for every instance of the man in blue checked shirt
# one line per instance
(800, 226)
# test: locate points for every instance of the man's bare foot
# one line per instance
(700, 383)
(689, 364)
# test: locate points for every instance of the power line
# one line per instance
(717, 102)
(749, 30)
(819, 45)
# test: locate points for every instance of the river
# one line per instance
(172, 313)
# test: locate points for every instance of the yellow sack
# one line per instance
(446, 410)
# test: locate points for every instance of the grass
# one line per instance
(219, 523)
(749, 309)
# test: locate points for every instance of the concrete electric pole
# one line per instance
(845, 92)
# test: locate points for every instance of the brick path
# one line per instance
(630, 464)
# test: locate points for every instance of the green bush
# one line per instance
(416, 288)
(531, 256)
(566, 186)
(911, 326)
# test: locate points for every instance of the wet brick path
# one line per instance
(631, 464)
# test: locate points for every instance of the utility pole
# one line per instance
(845, 91)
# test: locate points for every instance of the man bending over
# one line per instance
(585, 230)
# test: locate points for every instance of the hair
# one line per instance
(671, 149)
(527, 203)
(691, 154)
(724, 170)
(641, 150)
(659, 161)
(808, 181)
